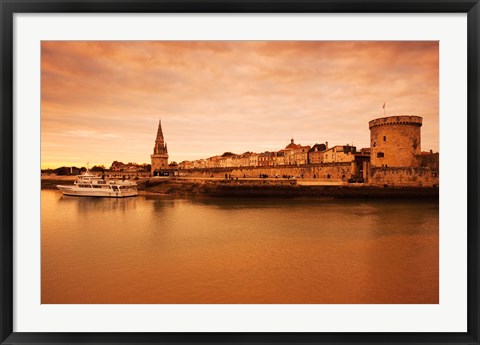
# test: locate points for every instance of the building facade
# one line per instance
(339, 154)
(315, 154)
(295, 154)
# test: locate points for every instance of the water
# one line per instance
(153, 249)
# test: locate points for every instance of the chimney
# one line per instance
(326, 145)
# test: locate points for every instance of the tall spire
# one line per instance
(160, 146)
(159, 132)
(160, 152)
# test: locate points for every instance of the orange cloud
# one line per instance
(101, 100)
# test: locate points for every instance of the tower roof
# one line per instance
(159, 131)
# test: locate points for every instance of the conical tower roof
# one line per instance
(159, 131)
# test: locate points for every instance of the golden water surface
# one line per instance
(160, 250)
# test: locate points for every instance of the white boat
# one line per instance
(88, 184)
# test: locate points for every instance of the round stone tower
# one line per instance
(395, 141)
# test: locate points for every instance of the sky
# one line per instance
(102, 100)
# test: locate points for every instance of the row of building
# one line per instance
(292, 155)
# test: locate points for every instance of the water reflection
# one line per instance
(160, 203)
(154, 249)
(95, 204)
(404, 244)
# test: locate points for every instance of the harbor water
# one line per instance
(155, 249)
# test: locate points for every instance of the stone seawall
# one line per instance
(337, 171)
(278, 189)
(416, 177)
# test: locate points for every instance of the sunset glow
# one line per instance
(101, 101)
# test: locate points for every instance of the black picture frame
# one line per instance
(7, 10)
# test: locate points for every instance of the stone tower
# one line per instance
(160, 152)
(395, 141)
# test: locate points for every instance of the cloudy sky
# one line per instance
(101, 101)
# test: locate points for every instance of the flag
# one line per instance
(383, 105)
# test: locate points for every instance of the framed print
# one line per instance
(253, 172)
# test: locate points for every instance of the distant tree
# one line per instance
(48, 171)
(98, 168)
(228, 154)
(116, 164)
(75, 171)
(62, 171)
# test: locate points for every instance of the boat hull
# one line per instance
(96, 192)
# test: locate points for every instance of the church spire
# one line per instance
(159, 132)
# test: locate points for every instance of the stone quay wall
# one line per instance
(398, 177)
(430, 160)
(336, 171)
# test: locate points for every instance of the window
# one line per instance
(384, 138)
(380, 155)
